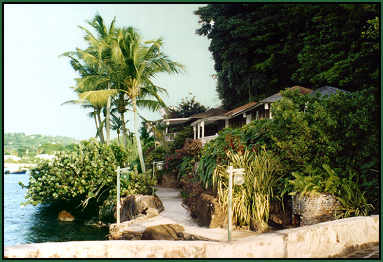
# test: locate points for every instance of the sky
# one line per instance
(37, 81)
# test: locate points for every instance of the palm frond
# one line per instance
(75, 102)
(98, 97)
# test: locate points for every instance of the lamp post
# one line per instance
(119, 170)
(238, 180)
(159, 165)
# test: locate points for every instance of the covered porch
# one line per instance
(173, 125)
(207, 129)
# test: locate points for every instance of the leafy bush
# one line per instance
(214, 152)
(180, 138)
(84, 178)
(340, 131)
(155, 154)
(183, 159)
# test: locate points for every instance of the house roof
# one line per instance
(211, 112)
(209, 116)
(327, 90)
(278, 96)
(240, 109)
(176, 121)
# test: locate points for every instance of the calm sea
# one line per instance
(34, 224)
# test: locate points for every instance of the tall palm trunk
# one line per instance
(124, 131)
(100, 131)
(121, 110)
(140, 155)
(95, 121)
(107, 118)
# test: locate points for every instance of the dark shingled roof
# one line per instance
(327, 90)
(278, 95)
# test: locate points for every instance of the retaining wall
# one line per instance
(315, 241)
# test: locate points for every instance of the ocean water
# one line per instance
(36, 224)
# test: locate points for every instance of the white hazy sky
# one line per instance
(37, 80)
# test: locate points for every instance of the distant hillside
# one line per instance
(21, 144)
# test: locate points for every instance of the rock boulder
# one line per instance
(164, 232)
(138, 205)
(65, 216)
(209, 213)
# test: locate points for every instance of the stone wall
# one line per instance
(316, 241)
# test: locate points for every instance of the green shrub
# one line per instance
(84, 178)
(182, 160)
(214, 152)
(155, 154)
(339, 131)
(180, 138)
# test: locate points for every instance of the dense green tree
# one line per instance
(187, 107)
(260, 49)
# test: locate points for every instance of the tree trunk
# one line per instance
(121, 110)
(118, 136)
(95, 121)
(99, 130)
(124, 133)
(139, 148)
(107, 119)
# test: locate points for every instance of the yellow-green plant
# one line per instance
(251, 200)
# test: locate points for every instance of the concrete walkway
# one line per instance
(175, 213)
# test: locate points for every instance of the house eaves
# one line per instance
(176, 121)
(211, 115)
(241, 109)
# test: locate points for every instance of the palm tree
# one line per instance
(117, 124)
(123, 63)
(86, 71)
(140, 62)
(95, 114)
(97, 56)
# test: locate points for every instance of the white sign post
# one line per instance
(238, 180)
(118, 196)
(118, 191)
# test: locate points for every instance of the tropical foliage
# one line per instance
(251, 200)
(119, 64)
(319, 144)
(85, 179)
(187, 107)
(289, 44)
